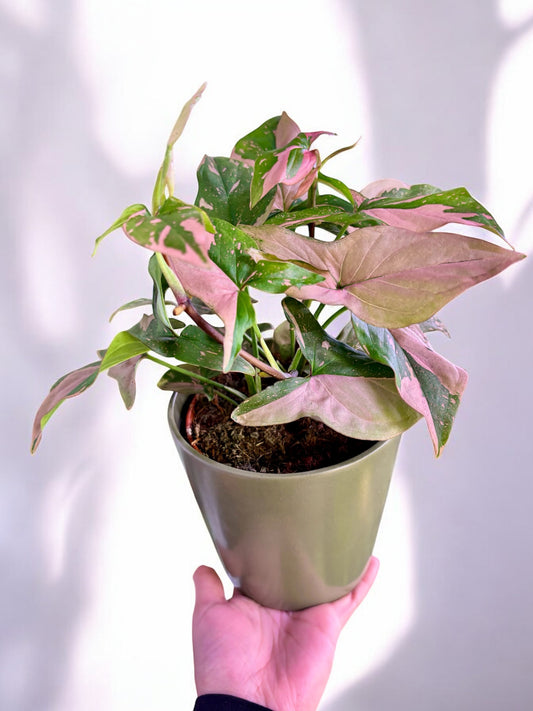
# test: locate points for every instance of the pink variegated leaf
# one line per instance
(124, 373)
(294, 166)
(364, 408)
(68, 386)
(388, 276)
(177, 229)
(429, 383)
(423, 208)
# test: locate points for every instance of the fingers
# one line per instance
(208, 586)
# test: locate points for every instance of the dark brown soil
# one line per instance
(293, 447)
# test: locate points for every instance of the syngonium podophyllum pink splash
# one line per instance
(361, 275)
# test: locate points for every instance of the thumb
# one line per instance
(208, 587)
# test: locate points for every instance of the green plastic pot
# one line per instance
(290, 541)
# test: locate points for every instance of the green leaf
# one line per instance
(224, 191)
(180, 382)
(429, 383)
(323, 352)
(337, 185)
(155, 336)
(136, 303)
(245, 318)
(230, 252)
(194, 346)
(123, 347)
(296, 218)
(258, 141)
(122, 220)
(276, 277)
(159, 291)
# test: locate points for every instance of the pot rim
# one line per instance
(174, 414)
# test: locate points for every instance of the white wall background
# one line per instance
(99, 534)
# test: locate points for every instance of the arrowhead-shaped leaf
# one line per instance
(388, 276)
(69, 385)
(363, 408)
(224, 191)
(326, 354)
(429, 383)
(423, 208)
(177, 229)
(124, 374)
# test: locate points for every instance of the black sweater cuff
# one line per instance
(223, 702)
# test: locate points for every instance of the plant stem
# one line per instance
(266, 349)
(333, 316)
(211, 331)
(319, 310)
(296, 361)
(198, 377)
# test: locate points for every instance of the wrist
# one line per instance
(226, 702)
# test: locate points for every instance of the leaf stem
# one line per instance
(211, 331)
(333, 316)
(196, 376)
(266, 349)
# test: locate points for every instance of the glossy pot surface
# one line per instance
(291, 540)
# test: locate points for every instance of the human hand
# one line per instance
(281, 660)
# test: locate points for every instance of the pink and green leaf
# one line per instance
(423, 208)
(121, 221)
(388, 276)
(177, 229)
(68, 386)
(326, 354)
(124, 373)
(429, 383)
(365, 408)
(235, 252)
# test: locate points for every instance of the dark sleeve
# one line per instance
(222, 702)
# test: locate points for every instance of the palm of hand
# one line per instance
(281, 660)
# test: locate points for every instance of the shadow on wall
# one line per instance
(430, 70)
(48, 220)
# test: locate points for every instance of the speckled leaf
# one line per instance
(233, 251)
(68, 386)
(366, 408)
(224, 191)
(388, 276)
(194, 346)
(155, 336)
(429, 383)
(177, 229)
(124, 373)
(258, 141)
(423, 207)
(324, 353)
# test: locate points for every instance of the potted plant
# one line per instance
(361, 275)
